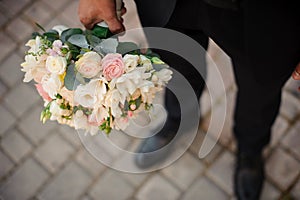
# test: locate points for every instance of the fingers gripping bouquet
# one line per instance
(91, 81)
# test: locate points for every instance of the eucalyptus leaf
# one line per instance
(69, 32)
(71, 81)
(108, 46)
(93, 40)
(127, 47)
(78, 40)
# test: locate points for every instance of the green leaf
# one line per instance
(127, 47)
(101, 32)
(71, 79)
(51, 35)
(69, 32)
(93, 40)
(34, 34)
(40, 27)
(157, 60)
(73, 50)
(78, 40)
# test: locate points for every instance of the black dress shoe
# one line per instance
(248, 177)
(148, 156)
(151, 151)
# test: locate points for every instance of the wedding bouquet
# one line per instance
(91, 81)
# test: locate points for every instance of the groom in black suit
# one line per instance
(263, 40)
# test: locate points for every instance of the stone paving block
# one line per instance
(184, 170)
(203, 188)
(226, 134)
(222, 172)
(56, 21)
(10, 70)
(21, 98)
(205, 104)
(212, 154)
(15, 145)
(282, 168)
(157, 188)
(15, 6)
(6, 165)
(24, 182)
(135, 179)
(20, 29)
(296, 190)
(57, 5)
(39, 12)
(70, 134)
(6, 120)
(69, 184)
(278, 130)
(33, 128)
(223, 63)
(269, 192)
(289, 105)
(111, 186)
(3, 89)
(6, 45)
(3, 19)
(53, 152)
(87, 161)
(70, 14)
(292, 140)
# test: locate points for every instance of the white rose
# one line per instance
(89, 65)
(130, 61)
(146, 62)
(90, 94)
(51, 84)
(56, 64)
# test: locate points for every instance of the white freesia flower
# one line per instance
(51, 84)
(162, 77)
(90, 94)
(89, 65)
(56, 64)
(128, 83)
(34, 68)
(145, 62)
(34, 44)
(98, 115)
(81, 122)
(112, 100)
(130, 61)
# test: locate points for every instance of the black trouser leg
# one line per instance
(257, 106)
(189, 72)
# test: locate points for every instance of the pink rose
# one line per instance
(113, 66)
(42, 92)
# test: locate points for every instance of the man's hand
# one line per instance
(91, 12)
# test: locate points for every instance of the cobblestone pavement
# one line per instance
(49, 162)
